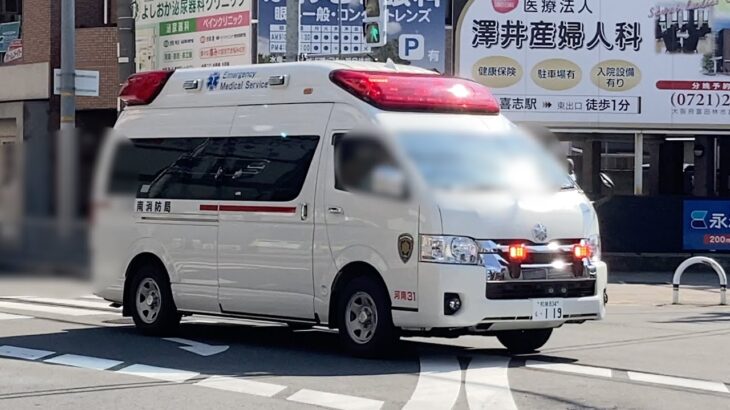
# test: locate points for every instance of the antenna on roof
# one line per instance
(390, 64)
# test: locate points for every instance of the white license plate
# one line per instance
(547, 309)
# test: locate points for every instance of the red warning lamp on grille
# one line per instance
(392, 91)
(517, 253)
(581, 251)
(142, 88)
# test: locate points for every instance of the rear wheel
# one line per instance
(153, 308)
(524, 341)
(365, 322)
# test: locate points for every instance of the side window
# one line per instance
(356, 159)
(266, 168)
(171, 168)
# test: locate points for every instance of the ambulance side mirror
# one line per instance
(607, 182)
(609, 186)
(388, 181)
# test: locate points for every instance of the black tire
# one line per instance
(524, 341)
(167, 319)
(383, 336)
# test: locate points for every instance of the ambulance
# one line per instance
(380, 200)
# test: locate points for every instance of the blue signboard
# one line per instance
(8, 33)
(706, 225)
(416, 31)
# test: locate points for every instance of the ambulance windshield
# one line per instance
(485, 162)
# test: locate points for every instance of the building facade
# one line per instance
(29, 122)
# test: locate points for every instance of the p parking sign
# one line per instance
(410, 47)
(706, 225)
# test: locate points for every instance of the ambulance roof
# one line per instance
(302, 82)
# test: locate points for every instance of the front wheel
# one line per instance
(365, 322)
(153, 308)
(524, 341)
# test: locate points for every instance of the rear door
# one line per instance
(266, 210)
(177, 207)
(173, 164)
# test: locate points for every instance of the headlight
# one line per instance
(594, 241)
(449, 249)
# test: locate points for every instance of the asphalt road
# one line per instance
(62, 349)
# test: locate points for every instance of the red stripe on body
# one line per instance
(267, 209)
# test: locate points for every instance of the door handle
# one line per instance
(335, 210)
(304, 211)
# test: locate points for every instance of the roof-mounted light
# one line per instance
(393, 91)
(142, 88)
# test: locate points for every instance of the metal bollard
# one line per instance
(704, 261)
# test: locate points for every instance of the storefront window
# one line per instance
(10, 10)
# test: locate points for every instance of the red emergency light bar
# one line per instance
(142, 88)
(392, 91)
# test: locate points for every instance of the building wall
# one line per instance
(96, 50)
(36, 30)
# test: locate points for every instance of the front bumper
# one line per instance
(481, 313)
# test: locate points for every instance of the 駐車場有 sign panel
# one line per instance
(652, 64)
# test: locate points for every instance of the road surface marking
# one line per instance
(198, 348)
(33, 307)
(84, 362)
(101, 304)
(679, 382)
(570, 368)
(8, 316)
(439, 383)
(487, 384)
(241, 386)
(160, 373)
(23, 353)
(334, 401)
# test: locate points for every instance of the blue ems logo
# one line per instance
(213, 80)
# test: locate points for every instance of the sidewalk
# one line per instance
(647, 289)
(655, 289)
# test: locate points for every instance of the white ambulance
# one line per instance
(379, 199)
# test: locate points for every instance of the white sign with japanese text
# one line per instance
(174, 34)
(647, 64)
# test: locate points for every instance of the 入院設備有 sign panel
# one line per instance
(652, 63)
(706, 225)
(174, 34)
(415, 33)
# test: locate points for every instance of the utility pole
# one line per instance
(66, 147)
(126, 42)
(292, 30)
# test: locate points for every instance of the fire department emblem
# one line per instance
(405, 247)
(505, 6)
(540, 233)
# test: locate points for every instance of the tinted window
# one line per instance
(266, 168)
(355, 159)
(173, 168)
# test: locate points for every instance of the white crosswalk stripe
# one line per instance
(439, 383)
(8, 316)
(241, 386)
(679, 382)
(334, 401)
(570, 368)
(99, 304)
(85, 362)
(159, 373)
(487, 384)
(24, 353)
(59, 310)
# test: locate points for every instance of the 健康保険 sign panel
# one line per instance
(652, 63)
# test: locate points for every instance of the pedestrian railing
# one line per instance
(697, 260)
